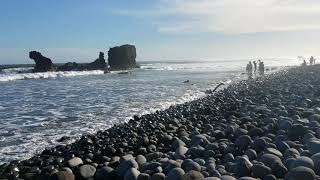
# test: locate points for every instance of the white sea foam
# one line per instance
(23, 76)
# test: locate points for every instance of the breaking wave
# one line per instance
(12, 75)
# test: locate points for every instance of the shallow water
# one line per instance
(38, 111)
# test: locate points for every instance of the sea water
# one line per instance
(36, 109)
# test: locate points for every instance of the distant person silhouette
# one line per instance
(311, 60)
(249, 69)
(304, 63)
(255, 66)
(261, 68)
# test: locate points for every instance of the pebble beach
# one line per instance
(266, 128)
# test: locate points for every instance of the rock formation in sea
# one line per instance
(43, 64)
(70, 66)
(122, 57)
(98, 64)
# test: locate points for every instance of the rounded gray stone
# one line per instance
(300, 173)
(76, 161)
(175, 174)
(87, 171)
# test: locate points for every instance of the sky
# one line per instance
(77, 30)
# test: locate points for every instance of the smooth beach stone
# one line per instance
(315, 117)
(269, 177)
(259, 144)
(105, 173)
(252, 154)
(167, 138)
(140, 159)
(150, 166)
(260, 171)
(313, 146)
(158, 176)
(296, 131)
(201, 162)
(243, 141)
(288, 162)
(247, 178)
(175, 174)
(126, 157)
(255, 132)
(274, 152)
(301, 173)
(125, 165)
(291, 153)
(228, 157)
(227, 177)
(154, 155)
(284, 125)
(177, 143)
(158, 169)
(170, 165)
(63, 175)
(315, 158)
(278, 169)
(212, 178)
(303, 161)
(131, 174)
(193, 175)
(243, 167)
(192, 166)
(269, 159)
(75, 162)
(210, 167)
(180, 151)
(87, 171)
(196, 151)
(282, 146)
(143, 176)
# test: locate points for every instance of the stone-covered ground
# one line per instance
(265, 129)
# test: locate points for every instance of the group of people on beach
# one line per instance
(312, 61)
(255, 67)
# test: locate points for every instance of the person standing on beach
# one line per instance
(255, 67)
(261, 68)
(304, 63)
(249, 69)
(311, 60)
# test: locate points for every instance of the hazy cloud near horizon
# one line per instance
(230, 16)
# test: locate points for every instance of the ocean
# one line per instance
(37, 109)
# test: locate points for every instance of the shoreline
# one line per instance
(191, 137)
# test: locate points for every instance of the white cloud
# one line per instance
(231, 16)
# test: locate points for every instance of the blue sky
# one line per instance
(76, 30)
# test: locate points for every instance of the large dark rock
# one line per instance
(70, 66)
(43, 64)
(123, 57)
(98, 64)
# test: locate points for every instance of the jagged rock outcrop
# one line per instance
(98, 64)
(70, 66)
(43, 64)
(122, 57)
